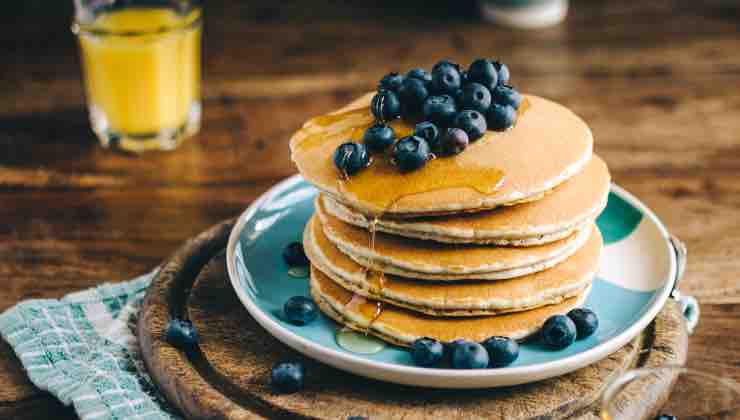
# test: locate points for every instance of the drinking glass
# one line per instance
(695, 395)
(141, 64)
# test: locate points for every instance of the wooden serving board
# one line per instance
(228, 376)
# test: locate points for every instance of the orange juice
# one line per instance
(142, 71)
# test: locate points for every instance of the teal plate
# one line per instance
(635, 278)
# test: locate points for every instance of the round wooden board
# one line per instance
(228, 376)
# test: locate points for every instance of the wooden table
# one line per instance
(658, 81)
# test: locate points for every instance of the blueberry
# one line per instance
(472, 122)
(287, 377)
(378, 137)
(502, 351)
(300, 310)
(411, 153)
(426, 351)
(439, 109)
(475, 96)
(357, 418)
(385, 106)
(483, 72)
(500, 117)
(446, 77)
(391, 81)
(413, 93)
(429, 132)
(469, 355)
(503, 72)
(666, 417)
(506, 95)
(294, 255)
(181, 334)
(586, 321)
(420, 74)
(559, 332)
(454, 141)
(350, 158)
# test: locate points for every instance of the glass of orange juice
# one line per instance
(141, 64)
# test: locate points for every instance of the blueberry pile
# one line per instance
(464, 354)
(453, 106)
(560, 331)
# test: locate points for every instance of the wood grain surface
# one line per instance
(656, 80)
(228, 377)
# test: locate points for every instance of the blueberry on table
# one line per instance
(506, 95)
(429, 132)
(385, 106)
(503, 72)
(483, 72)
(585, 320)
(475, 96)
(559, 332)
(446, 77)
(502, 351)
(300, 310)
(420, 74)
(426, 351)
(287, 377)
(391, 81)
(181, 334)
(472, 123)
(412, 94)
(411, 153)
(454, 141)
(294, 255)
(350, 158)
(439, 109)
(469, 355)
(500, 117)
(378, 137)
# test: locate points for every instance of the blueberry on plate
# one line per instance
(420, 74)
(475, 96)
(454, 141)
(500, 117)
(503, 72)
(385, 106)
(483, 72)
(350, 158)
(181, 334)
(300, 310)
(378, 137)
(502, 351)
(411, 153)
(473, 123)
(469, 355)
(558, 332)
(586, 321)
(506, 95)
(413, 93)
(429, 132)
(446, 77)
(391, 81)
(426, 351)
(287, 377)
(294, 255)
(440, 110)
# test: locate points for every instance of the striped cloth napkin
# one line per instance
(83, 350)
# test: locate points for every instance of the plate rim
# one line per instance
(429, 377)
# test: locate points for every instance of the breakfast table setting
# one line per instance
(310, 210)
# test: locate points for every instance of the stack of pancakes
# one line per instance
(462, 254)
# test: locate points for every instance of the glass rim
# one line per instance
(79, 28)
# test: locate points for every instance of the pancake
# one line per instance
(436, 261)
(547, 145)
(473, 298)
(569, 206)
(401, 327)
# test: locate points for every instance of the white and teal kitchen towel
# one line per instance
(83, 350)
